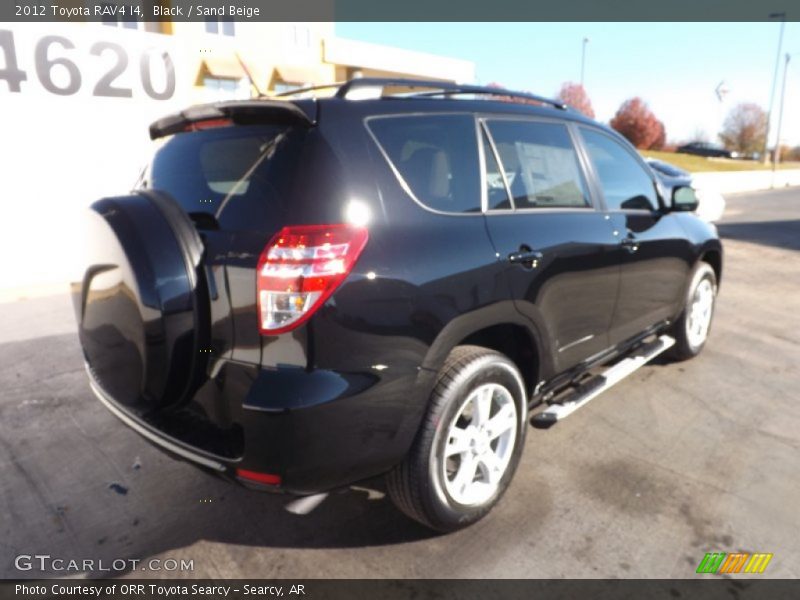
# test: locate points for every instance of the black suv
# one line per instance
(707, 149)
(305, 292)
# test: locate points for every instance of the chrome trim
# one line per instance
(485, 133)
(543, 209)
(585, 338)
(608, 378)
(398, 175)
(145, 432)
(482, 166)
(485, 120)
(482, 128)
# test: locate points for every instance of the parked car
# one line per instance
(711, 203)
(707, 149)
(305, 293)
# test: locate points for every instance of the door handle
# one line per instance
(526, 257)
(630, 244)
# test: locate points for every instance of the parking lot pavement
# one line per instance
(678, 460)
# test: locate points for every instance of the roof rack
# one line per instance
(306, 90)
(443, 88)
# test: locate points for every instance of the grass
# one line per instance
(694, 164)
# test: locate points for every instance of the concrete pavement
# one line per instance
(678, 460)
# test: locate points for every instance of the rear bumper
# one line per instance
(155, 436)
(316, 430)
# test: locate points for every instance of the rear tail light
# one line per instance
(207, 124)
(255, 476)
(300, 268)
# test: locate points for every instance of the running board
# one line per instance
(595, 386)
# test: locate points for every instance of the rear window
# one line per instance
(234, 176)
(436, 156)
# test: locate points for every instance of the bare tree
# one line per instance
(787, 152)
(574, 95)
(745, 128)
(700, 135)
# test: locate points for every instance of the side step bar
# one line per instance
(595, 386)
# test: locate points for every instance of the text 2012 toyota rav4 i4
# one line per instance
(302, 293)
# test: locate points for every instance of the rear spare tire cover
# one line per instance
(142, 306)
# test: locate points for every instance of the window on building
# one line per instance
(223, 88)
(164, 27)
(217, 27)
(281, 86)
(437, 157)
(540, 164)
(110, 15)
(300, 36)
(625, 182)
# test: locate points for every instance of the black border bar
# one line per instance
(706, 587)
(408, 10)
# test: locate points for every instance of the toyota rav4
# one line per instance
(304, 292)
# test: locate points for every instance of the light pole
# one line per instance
(583, 58)
(776, 155)
(782, 16)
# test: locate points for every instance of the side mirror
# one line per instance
(684, 199)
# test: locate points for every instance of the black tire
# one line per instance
(416, 486)
(685, 348)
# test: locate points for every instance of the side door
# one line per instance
(657, 256)
(562, 261)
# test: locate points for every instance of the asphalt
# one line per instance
(676, 461)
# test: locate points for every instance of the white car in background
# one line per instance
(711, 202)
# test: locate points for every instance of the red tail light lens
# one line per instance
(207, 124)
(300, 268)
(267, 478)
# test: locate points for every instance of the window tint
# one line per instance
(228, 173)
(437, 157)
(540, 164)
(625, 183)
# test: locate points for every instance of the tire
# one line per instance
(689, 333)
(426, 485)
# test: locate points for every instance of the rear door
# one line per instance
(562, 258)
(237, 184)
(657, 256)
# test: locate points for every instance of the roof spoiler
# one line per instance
(241, 112)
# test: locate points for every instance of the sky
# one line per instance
(674, 67)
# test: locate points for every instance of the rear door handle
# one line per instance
(630, 244)
(526, 257)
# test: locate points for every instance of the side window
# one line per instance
(496, 191)
(540, 164)
(437, 157)
(626, 185)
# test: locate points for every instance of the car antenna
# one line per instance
(259, 93)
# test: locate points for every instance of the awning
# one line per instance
(223, 67)
(298, 75)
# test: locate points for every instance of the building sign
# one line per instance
(77, 101)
